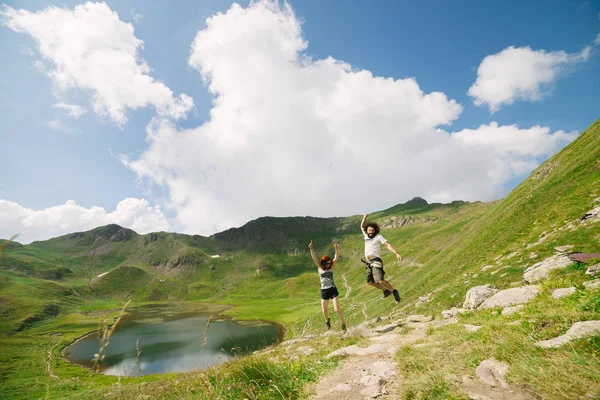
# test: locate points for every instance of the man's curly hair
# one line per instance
(374, 225)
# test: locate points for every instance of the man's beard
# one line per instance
(371, 235)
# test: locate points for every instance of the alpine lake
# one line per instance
(162, 338)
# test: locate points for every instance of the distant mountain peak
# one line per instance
(417, 201)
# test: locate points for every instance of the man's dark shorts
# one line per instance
(374, 271)
(330, 293)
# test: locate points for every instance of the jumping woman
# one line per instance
(328, 290)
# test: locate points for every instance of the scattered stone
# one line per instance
(486, 267)
(360, 351)
(444, 322)
(591, 215)
(595, 284)
(511, 255)
(495, 313)
(474, 276)
(386, 328)
(383, 369)
(511, 310)
(498, 270)
(423, 299)
(372, 384)
(541, 270)
(492, 372)
(579, 330)
(511, 297)
(453, 312)
(532, 255)
(564, 292)
(305, 350)
(476, 295)
(472, 328)
(419, 318)
(563, 249)
(594, 270)
(583, 257)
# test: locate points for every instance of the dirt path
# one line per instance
(368, 372)
(348, 287)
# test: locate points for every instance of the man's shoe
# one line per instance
(386, 293)
(344, 327)
(396, 295)
(328, 323)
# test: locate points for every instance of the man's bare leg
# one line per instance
(377, 285)
(385, 285)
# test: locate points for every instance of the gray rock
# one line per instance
(476, 295)
(386, 328)
(511, 310)
(511, 297)
(453, 312)
(595, 284)
(579, 330)
(444, 322)
(419, 318)
(541, 270)
(305, 350)
(563, 249)
(564, 292)
(486, 267)
(594, 270)
(492, 372)
(472, 328)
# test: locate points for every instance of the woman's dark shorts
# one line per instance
(328, 294)
(374, 271)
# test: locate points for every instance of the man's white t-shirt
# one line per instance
(372, 246)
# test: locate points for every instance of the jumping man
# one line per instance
(374, 269)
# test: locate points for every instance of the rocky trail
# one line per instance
(371, 370)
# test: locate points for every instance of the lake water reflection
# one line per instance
(170, 340)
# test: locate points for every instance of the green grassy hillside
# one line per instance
(67, 285)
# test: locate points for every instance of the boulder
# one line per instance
(476, 295)
(594, 270)
(511, 310)
(564, 292)
(595, 284)
(492, 372)
(511, 297)
(579, 330)
(541, 270)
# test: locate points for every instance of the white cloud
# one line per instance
(137, 17)
(73, 110)
(520, 73)
(597, 40)
(136, 214)
(289, 135)
(57, 125)
(90, 48)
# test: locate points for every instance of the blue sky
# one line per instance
(97, 161)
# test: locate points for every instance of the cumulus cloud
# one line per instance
(136, 214)
(89, 47)
(520, 73)
(289, 135)
(72, 110)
